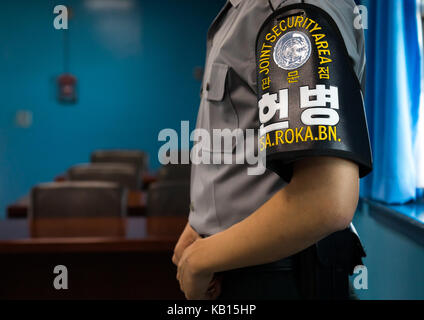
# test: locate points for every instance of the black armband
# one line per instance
(309, 97)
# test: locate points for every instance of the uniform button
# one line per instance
(207, 87)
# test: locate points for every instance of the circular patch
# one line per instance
(292, 51)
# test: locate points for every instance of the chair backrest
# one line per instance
(168, 198)
(137, 158)
(124, 174)
(174, 172)
(71, 199)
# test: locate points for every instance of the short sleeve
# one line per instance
(309, 97)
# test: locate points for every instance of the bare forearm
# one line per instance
(289, 222)
(270, 234)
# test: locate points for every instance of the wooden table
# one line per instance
(125, 259)
(136, 205)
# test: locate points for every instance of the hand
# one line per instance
(195, 282)
(186, 239)
(214, 290)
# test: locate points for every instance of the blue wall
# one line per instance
(135, 77)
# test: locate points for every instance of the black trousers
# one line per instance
(274, 281)
(318, 272)
(288, 279)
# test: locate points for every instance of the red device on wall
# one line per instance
(67, 88)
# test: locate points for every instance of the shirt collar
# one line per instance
(235, 3)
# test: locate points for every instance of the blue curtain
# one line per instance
(394, 57)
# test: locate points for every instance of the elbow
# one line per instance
(342, 220)
(337, 217)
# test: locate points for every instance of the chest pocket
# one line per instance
(221, 111)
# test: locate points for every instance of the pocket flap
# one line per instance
(215, 86)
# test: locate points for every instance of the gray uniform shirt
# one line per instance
(224, 194)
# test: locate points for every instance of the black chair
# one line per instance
(124, 174)
(71, 199)
(174, 172)
(139, 159)
(169, 198)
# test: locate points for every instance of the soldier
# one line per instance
(294, 70)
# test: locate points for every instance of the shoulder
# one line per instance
(343, 15)
(336, 7)
(343, 12)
